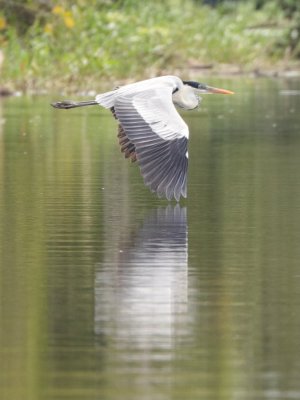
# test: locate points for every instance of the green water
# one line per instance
(109, 293)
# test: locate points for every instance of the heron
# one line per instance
(150, 130)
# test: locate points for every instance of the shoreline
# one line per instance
(288, 71)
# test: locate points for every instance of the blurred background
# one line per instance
(107, 292)
(47, 44)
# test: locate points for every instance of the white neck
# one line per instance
(186, 98)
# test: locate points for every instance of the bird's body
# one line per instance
(181, 94)
(150, 129)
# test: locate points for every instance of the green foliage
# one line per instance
(108, 40)
(289, 42)
(291, 39)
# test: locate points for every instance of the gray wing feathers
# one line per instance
(161, 150)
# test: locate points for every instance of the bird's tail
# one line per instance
(72, 104)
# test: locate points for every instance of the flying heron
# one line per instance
(151, 131)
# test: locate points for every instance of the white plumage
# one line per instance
(150, 129)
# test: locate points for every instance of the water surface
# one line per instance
(107, 292)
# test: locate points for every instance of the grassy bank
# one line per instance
(82, 46)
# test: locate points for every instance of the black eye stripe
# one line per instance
(195, 85)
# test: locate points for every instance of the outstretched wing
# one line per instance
(127, 147)
(160, 137)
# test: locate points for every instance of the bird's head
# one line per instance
(203, 88)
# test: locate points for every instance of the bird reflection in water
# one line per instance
(141, 300)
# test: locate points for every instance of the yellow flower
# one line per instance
(59, 10)
(48, 28)
(69, 21)
(2, 23)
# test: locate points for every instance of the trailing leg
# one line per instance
(72, 104)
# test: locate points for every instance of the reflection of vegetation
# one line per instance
(122, 39)
(68, 200)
